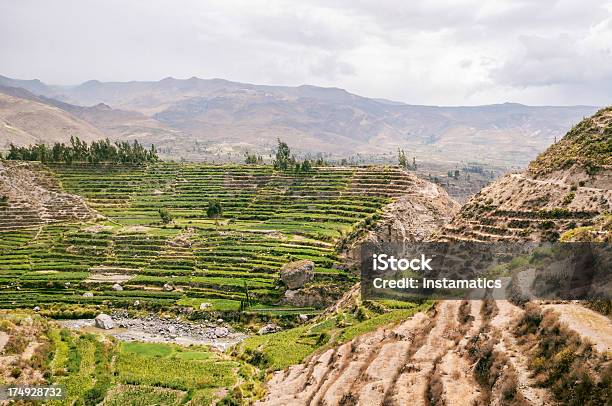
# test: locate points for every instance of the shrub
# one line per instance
(214, 210)
(165, 216)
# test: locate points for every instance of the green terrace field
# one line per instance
(269, 218)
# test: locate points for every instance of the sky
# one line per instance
(461, 52)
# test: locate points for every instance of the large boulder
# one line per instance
(104, 321)
(296, 274)
(117, 287)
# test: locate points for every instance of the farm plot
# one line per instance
(269, 218)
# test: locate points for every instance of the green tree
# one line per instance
(401, 158)
(214, 210)
(283, 159)
(251, 159)
(165, 216)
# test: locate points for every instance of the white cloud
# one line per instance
(420, 51)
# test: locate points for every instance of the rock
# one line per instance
(296, 274)
(37, 308)
(87, 294)
(171, 329)
(104, 321)
(268, 328)
(136, 303)
(221, 331)
(117, 287)
(168, 287)
(303, 318)
(219, 321)
(311, 296)
(205, 305)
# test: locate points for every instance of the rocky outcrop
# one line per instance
(296, 274)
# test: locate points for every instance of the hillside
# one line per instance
(220, 119)
(269, 219)
(567, 187)
(481, 351)
(33, 119)
(25, 122)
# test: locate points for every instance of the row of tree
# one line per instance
(79, 151)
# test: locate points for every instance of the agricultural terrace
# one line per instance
(269, 218)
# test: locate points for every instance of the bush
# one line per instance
(165, 216)
(215, 209)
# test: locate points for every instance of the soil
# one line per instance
(591, 325)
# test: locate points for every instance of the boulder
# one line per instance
(269, 328)
(37, 308)
(87, 294)
(296, 274)
(117, 287)
(311, 296)
(303, 318)
(136, 303)
(221, 331)
(104, 321)
(205, 305)
(168, 287)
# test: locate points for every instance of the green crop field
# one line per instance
(269, 218)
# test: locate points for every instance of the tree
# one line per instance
(165, 216)
(306, 166)
(215, 210)
(401, 157)
(283, 160)
(252, 159)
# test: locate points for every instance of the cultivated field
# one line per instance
(269, 218)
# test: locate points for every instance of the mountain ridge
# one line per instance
(204, 118)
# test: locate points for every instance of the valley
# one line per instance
(259, 264)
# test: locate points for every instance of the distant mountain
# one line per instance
(28, 121)
(196, 117)
(29, 118)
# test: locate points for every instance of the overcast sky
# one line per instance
(416, 51)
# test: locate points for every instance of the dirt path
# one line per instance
(591, 325)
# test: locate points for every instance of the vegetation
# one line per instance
(269, 218)
(587, 145)
(96, 369)
(563, 362)
(279, 350)
(403, 161)
(252, 159)
(215, 210)
(78, 151)
(165, 216)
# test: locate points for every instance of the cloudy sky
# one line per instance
(460, 52)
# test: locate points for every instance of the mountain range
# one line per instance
(203, 118)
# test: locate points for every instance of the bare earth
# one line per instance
(591, 325)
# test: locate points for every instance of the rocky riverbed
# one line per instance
(157, 329)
